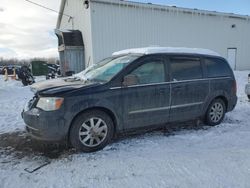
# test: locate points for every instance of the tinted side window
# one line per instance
(185, 69)
(217, 67)
(151, 72)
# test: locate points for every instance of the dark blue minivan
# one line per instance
(136, 88)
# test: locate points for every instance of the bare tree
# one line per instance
(14, 61)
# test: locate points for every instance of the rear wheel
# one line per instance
(91, 131)
(216, 112)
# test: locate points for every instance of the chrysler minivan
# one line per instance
(132, 89)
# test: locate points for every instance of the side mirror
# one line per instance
(130, 80)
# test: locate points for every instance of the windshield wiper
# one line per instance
(73, 79)
(97, 80)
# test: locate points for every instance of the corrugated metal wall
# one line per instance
(72, 59)
(129, 25)
(81, 21)
(109, 26)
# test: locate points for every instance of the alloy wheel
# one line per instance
(93, 132)
(216, 112)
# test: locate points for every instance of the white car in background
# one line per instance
(247, 89)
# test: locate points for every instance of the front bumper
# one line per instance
(45, 126)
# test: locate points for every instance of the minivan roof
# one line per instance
(176, 50)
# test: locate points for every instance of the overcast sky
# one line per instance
(28, 31)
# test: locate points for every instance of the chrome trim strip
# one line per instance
(220, 78)
(183, 81)
(202, 79)
(187, 105)
(141, 85)
(112, 88)
(165, 108)
(149, 110)
(172, 82)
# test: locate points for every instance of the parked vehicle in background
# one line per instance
(53, 71)
(247, 89)
(10, 69)
(25, 75)
(1, 69)
(133, 89)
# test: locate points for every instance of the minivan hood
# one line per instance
(59, 85)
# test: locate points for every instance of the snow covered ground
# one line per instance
(205, 157)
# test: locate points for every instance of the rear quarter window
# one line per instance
(185, 69)
(217, 68)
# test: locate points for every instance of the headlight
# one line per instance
(50, 103)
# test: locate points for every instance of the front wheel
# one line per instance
(91, 131)
(216, 112)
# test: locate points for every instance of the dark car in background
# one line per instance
(1, 69)
(133, 89)
(10, 69)
(53, 71)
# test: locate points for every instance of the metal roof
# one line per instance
(131, 3)
(157, 7)
(175, 50)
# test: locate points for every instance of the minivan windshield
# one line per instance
(105, 70)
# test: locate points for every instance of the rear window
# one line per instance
(185, 69)
(217, 68)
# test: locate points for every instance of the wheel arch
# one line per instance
(224, 99)
(103, 109)
(206, 117)
(211, 99)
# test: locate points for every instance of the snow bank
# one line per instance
(210, 157)
(13, 96)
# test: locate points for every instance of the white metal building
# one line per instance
(113, 25)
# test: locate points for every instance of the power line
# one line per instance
(42, 6)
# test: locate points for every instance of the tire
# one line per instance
(248, 97)
(91, 131)
(215, 112)
(25, 83)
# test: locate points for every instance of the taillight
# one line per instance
(234, 87)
